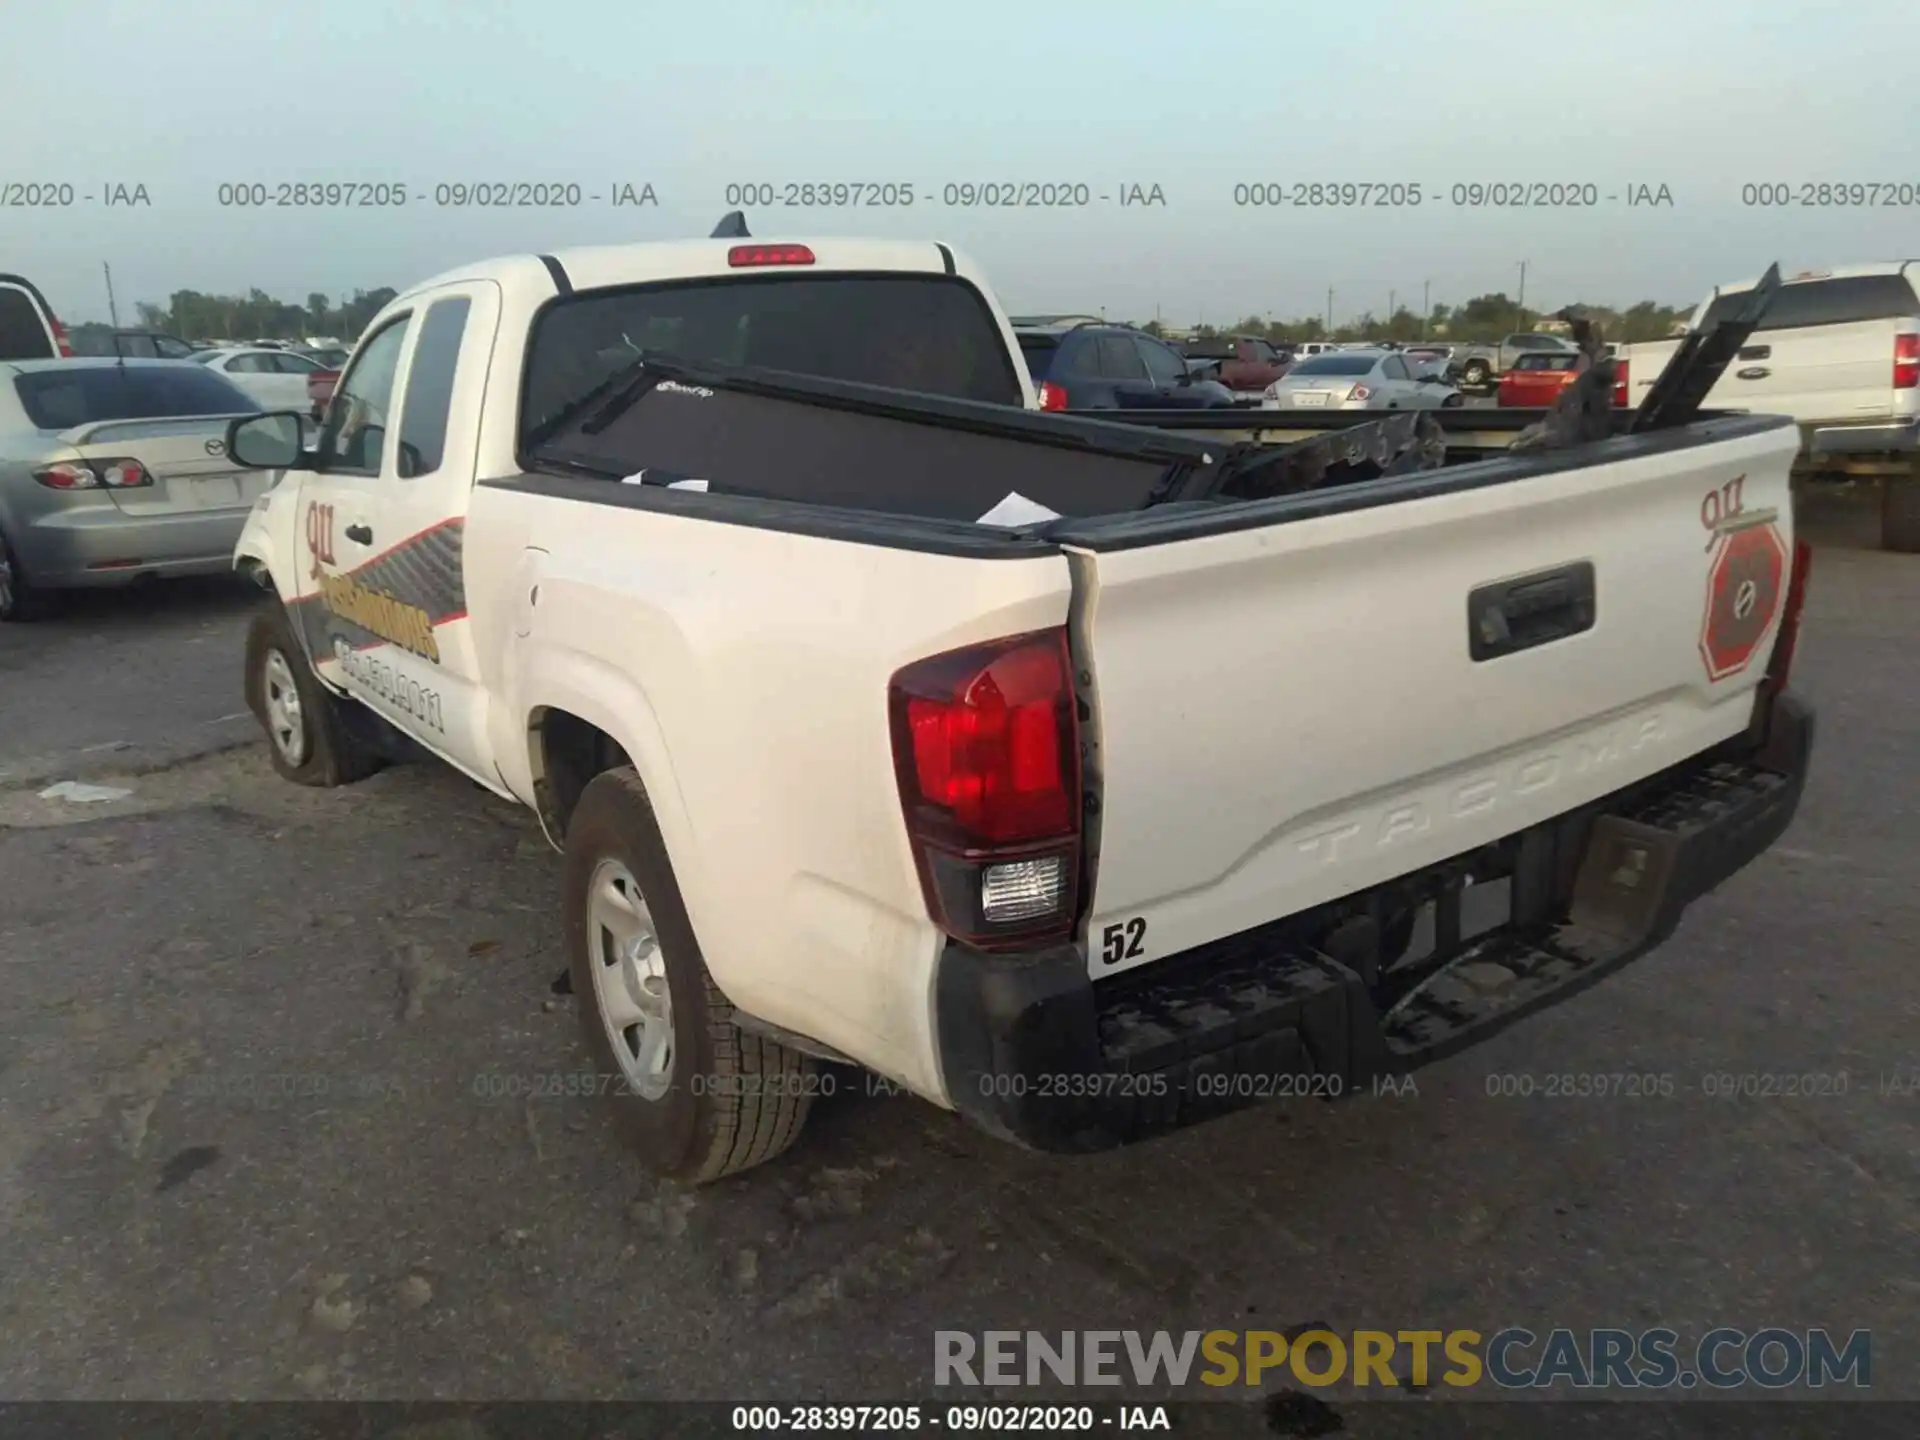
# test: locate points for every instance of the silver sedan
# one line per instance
(1357, 380)
(113, 471)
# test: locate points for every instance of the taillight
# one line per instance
(986, 752)
(60, 337)
(1620, 383)
(743, 255)
(1780, 664)
(1906, 362)
(1052, 396)
(118, 474)
(1359, 392)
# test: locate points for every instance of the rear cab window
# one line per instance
(24, 334)
(59, 399)
(928, 333)
(1844, 300)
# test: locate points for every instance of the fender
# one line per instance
(551, 677)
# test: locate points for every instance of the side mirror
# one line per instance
(267, 442)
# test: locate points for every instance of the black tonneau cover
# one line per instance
(775, 435)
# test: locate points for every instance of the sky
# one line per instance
(1195, 97)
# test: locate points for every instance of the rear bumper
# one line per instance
(1032, 1050)
(1893, 438)
(66, 548)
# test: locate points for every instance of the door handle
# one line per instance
(1753, 372)
(1512, 615)
(1757, 352)
(360, 534)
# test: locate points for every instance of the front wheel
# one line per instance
(695, 1096)
(18, 599)
(307, 737)
(1476, 372)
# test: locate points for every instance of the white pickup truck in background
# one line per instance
(1838, 351)
(1087, 827)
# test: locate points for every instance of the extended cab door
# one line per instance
(386, 515)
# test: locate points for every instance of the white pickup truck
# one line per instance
(1087, 825)
(1839, 351)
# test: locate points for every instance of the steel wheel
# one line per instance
(286, 719)
(630, 987)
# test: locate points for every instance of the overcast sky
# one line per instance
(1195, 96)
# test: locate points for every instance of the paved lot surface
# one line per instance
(263, 1133)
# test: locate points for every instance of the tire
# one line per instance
(722, 1100)
(1453, 401)
(19, 601)
(323, 753)
(1900, 513)
(1476, 373)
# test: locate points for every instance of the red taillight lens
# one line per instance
(745, 255)
(1360, 392)
(1906, 362)
(1780, 663)
(986, 752)
(60, 337)
(1052, 396)
(1620, 383)
(117, 474)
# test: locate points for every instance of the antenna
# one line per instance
(732, 226)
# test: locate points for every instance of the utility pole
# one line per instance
(1329, 310)
(113, 310)
(1393, 307)
(1521, 321)
(1426, 306)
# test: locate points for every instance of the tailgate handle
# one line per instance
(1508, 616)
(1756, 352)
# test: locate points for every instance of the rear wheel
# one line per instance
(1900, 513)
(18, 599)
(307, 737)
(694, 1095)
(1476, 372)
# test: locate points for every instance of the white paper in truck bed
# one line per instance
(1017, 509)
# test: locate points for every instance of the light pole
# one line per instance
(1521, 305)
(1426, 306)
(1329, 312)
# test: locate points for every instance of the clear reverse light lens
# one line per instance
(1021, 890)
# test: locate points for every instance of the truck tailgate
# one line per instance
(1292, 711)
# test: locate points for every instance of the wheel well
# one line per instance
(567, 753)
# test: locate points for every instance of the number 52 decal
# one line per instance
(1123, 941)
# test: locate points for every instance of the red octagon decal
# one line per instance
(1744, 585)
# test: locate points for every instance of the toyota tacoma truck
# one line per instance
(1084, 777)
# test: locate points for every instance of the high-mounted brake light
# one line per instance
(1052, 396)
(117, 474)
(741, 256)
(986, 752)
(1906, 361)
(60, 340)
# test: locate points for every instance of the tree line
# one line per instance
(1483, 318)
(259, 316)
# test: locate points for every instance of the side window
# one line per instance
(1119, 360)
(1395, 368)
(261, 364)
(436, 354)
(355, 432)
(1163, 366)
(1080, 355)
(288, 363)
